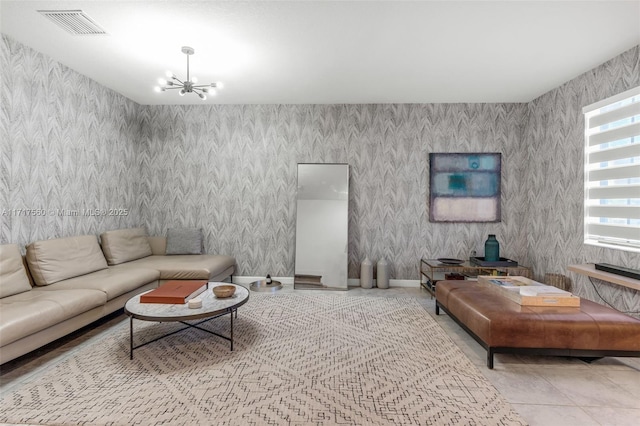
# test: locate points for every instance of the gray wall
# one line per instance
(69, 143)
(66, 142)
(554, 138)
(232, 171)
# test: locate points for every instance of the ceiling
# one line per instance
(321, 52)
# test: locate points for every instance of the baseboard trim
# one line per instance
(404, 283)
(352, 282)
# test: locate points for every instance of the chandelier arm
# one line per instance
(173, 87)
(203, 85)
(178, 80)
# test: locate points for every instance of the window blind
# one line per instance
(612, 171)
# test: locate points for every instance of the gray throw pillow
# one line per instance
(184, 241)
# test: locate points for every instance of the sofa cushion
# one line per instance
(124, 245)
(13, 277)
(29, 312)
(187, 267)
(55, 260)
(114, 281)
(158, 245)
(184, 241)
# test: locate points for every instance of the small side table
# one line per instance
(432, 271)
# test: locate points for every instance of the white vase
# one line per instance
(366, 273)
(382, 277)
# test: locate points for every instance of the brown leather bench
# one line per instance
(501, 325)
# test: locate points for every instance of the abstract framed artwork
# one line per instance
(464, 187)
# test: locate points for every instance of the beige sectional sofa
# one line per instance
(63, 284)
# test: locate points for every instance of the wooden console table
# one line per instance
(590, 270)
(432, 271)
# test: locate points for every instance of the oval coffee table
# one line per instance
(212, 307)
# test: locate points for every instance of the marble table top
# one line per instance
(211, 306)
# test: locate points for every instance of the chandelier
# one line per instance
(187, 86)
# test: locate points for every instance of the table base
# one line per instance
(229, 338)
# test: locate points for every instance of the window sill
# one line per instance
(612, 246)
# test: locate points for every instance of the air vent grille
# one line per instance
(74, 21)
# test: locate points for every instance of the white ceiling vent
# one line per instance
(74, 21)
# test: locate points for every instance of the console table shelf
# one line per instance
(590, 270)
(432, 270)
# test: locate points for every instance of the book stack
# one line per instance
(527, 292)
(175, 292)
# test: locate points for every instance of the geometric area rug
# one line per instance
(298, 359)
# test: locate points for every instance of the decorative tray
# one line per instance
(503, 262)
(450, 261)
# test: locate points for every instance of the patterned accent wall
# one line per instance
(554, 179)
(66, 144)
(232, 170)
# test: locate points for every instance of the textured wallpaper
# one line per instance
(232, 170)
(68, 151)
(554, 138)
(68, 144)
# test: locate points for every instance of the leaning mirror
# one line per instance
(322, 219)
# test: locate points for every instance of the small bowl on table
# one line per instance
(223, 291)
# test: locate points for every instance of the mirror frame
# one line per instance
(331, 185)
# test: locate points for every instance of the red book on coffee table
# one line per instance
(175, 292)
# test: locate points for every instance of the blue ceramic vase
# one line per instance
(491, 249)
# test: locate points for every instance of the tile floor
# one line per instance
(546, 391)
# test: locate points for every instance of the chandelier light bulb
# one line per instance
(181, 92)
(218, 85)
(162, 81)
(169, 74)
(157, 89)
(194, 79)
(202, 96)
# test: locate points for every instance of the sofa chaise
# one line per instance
(63, 284)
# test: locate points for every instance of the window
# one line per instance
(612, 172)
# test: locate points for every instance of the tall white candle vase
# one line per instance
(382, 277)
(366, 273)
